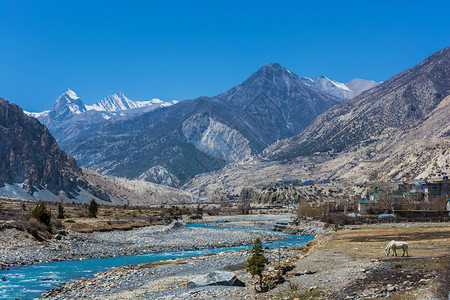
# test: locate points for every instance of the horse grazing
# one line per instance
(396, 245)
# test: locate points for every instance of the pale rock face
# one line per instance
(160, 175)
(215, 138)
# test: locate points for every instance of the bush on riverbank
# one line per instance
(338, 219)
(41, 214)
(257, 262)
(307, 210)
(93, 209)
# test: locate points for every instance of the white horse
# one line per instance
(396, 245)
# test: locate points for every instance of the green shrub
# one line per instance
(41, 214)
(93, 209)
(257, 262)
(60, 212)
(35, 233)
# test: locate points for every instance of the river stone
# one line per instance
(176, 225)
(216, 278)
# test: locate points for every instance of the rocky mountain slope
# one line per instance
(397, 130)
(139, 192)
(33, 166)
(203, 134)
(399, 104)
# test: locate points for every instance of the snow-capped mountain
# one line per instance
(116, 102)
(37, 115)
(172, 145)
(66, 106)
(69, 104)
(70, 117)
(361, 85)
(341, 90)
(331, 87)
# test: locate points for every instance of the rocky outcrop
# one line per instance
(215, 138)
(30, 155)
(215, 278)
(160, 175)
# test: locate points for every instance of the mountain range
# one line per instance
(173, 143)
(273, 126)
(397, 130)
(70, 118)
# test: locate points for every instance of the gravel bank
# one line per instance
(166, 281)
(20, 249)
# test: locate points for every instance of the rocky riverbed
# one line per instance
(18, 249)
(167, 280)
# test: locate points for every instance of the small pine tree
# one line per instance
(41, 214)
(24, 208)
(60, 212)
(257, 261)
(199, 210)
(93, 209)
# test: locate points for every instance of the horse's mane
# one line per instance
(389, 245)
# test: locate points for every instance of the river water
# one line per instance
(28, 282)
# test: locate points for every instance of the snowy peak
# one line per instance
(279, 76)
(66, 106)
(71, 94)
(331, 87)
(69, 105)
(361, 85)
(37, 115)
(342, 90)
(116, 102)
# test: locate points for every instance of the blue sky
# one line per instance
(185, 49)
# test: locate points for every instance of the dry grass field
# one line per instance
(414, 277)
(76, 216)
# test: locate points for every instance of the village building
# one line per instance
(437, 189)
